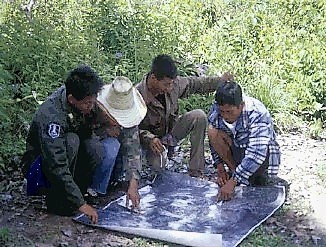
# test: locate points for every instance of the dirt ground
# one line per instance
(25, 222)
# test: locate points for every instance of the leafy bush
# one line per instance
(274, 48)
(35, 55)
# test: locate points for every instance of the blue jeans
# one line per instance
(102, 174)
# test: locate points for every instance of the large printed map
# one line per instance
(179, 209)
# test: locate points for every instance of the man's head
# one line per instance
(229, 100)
(82, 86)
(162, 74)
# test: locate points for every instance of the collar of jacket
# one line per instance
(242, 123)
(66, 106)
(148, 97)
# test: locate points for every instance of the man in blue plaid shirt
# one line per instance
(242, 140)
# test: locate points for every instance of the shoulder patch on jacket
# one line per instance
(54, 130)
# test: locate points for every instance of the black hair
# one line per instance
(229, 92)
(164, 66)
(83, 81)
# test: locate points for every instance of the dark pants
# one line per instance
(260, 177)
(83, 156)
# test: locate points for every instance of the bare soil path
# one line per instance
(24, 222)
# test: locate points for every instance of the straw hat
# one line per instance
(123, 102)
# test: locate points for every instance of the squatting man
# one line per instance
(77, 133)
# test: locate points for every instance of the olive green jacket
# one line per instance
(47, 137)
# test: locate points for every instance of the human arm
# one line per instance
(204, 84)
(146, 137)
(150, 140)
(156, 146)
(130, 150)
(226, 191)
(256, 150)
(220, 143)
(133, 195)
(55, 163)
(222, 175)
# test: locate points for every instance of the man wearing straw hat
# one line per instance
(125, 109)
(161, 88)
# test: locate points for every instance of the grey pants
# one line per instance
(192, 123)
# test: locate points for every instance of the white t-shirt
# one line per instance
(231, 126)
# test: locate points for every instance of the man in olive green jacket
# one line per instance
(60, 129)
(162, 126)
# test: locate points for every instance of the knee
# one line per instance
(73, 139)
(199, 117)
(217, 136)
(94, 150)
(111, 147)
(72, 142)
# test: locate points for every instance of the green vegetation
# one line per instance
(262, 238)
(4, 234)
(276, 50)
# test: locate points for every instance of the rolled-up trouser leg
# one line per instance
(193, 123)
(103, 170)
(56, 201)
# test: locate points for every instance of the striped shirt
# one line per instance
(255, 133)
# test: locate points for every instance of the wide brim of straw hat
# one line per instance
(127, 114)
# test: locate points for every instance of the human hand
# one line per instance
(222, 175)
(169, 140)
(227, 76)
(222, 178)
(133, 195)
(156, 146)
(227, 190)
(90, 212)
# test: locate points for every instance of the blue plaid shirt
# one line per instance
(255, 133)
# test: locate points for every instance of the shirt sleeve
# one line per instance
(146, 137)
(131, 150)
(55, 162)
(102, 122)
(256, 151)
(202, 85)
(213, 117)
